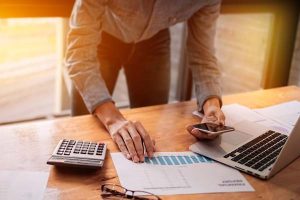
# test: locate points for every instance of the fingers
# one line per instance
(200, 135)
(154, 147)
(149, 145)
(132, 139)
(137, 141)
(129, 144)
(214, 116)
(210, 117)
(189, 128)
(118, 139)
(221, 118)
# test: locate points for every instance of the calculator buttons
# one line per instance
(100, 149)
(72, 142)
(78, 153)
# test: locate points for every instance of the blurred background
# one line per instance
(34, 84)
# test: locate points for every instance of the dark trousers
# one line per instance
(146, 66)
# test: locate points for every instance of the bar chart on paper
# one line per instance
(170, 177)
(178, 173)
(176, 159)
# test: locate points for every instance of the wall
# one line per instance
(295, 69)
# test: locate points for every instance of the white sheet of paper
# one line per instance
(22, 185)
(280, 117)
(178, 173)
(286, 113)
(276, 126)
(236, 113)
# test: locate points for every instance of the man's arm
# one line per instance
(205, 70)
(201, 53)
(83, 65)
(81, 56)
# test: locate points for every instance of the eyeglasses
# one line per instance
(112, 191)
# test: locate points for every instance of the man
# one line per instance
(107, 35)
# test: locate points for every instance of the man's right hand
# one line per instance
(131, 137)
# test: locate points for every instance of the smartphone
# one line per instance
(212, 128)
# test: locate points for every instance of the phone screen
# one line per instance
(211, 127)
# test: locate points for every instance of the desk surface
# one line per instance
(27, 146)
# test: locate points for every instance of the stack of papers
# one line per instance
(285, 114)
(281, 117)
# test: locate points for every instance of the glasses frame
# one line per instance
(124, 194)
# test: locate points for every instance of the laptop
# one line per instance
(253, 148)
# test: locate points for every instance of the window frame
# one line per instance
(281, 43)
(280, 48)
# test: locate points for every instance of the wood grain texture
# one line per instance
(27, 146)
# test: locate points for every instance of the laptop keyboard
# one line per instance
(260, 152)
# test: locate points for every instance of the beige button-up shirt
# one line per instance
(134, 21)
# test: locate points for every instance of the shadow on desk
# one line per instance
(289, 175)
(72, 171)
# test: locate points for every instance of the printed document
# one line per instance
(284, 113)
(22, 185)
(170, 173)
(281, 117)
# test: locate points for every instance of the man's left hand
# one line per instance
(213, 114)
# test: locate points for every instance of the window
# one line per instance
(28, 59)
(32, 51)
(242, 48)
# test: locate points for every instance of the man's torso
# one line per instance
(133, 21)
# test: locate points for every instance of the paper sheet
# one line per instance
(281, 117)
(236, 113)
(178, 173)
(22, 185)
(285, 113)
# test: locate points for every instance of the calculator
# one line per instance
(76, 153)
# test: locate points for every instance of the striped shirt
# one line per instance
(133, 21)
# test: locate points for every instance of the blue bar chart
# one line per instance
(177, 159)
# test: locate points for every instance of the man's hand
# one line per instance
(212, 113)
(131, 137)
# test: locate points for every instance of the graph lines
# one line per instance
(177, 160)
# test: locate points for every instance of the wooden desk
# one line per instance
(27, 146)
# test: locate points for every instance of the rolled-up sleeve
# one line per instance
(201, 53)
(81, 55)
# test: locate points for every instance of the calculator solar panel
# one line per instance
(78, 154)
